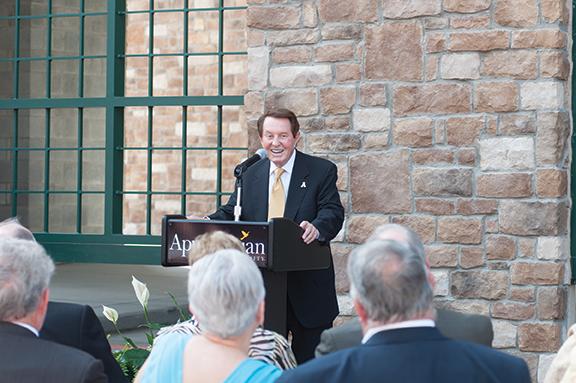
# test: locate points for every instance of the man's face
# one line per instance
(277, 140)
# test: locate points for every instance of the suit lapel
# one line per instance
(298, 187)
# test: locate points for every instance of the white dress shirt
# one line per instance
(285, 177)
(27, 326)
(393, 326)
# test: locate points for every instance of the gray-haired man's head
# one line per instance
(12, 228)
(399, 233)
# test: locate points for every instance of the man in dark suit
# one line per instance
(393, 298)
(71, 324)
(302, 188)
(454, 325)
(25, 272)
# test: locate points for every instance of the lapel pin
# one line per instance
(303, 184)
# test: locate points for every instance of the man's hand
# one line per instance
(196, 217)
(310, 232)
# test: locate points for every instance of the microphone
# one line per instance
(260, 154)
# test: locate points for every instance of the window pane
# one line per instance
(95, 5)
(92, 214)
(6, 128)
(166, 170)
(235, 30)
(168, 74)
(235, 74)
(7, 7)
(31, 211)
(6, 163)
(168, 36)
(94, 127)
(32, 75)
(202, 126)
(168, 4)
(32, 128)
(65, 36)
(136, 77)
(161, 206)
(134, 214)
(63, 170)
(203, 31)
(201, 172)
(95, 35)
(201, 205)
(137, 33)
(93, 162)
(136, 126)
(137, 5)
(135, 170)
(7, 41)
(230, 158)
(234, 131)
(7, 73)
(62, 213)
(64, 128)
(203, 3)
(31, 170)
(65, 6)
(167, 126)
(64, 78)
(33, 38)
(95, 78)
(203, 75)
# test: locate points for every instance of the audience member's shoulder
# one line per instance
(497, 360)
(64, 350)
(318, 368)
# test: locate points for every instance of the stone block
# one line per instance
(532, 218)
(442, 282)
(431, 98)
(390, 171)
(554, 11)
(554, 64)
(300, 75)
(442, 256)
(276, 17)
(254, 104)
(552, 137)
(442, 182)
(485, 284)
(507, 153)
(499, 247)
(542, 95)
(462, 131)
(540, 38)
(431, 68)
(516, 13)
(434, 206)
(537, 273)
(255, 38)
(526, 247)
(504, 334)
(496, 97)
(460, 230)
(292, 37)
(338, 123)
(466, 156)
(517, 64)
(360, 227)
(470, 306)
(303, 102)
(433, 156)
(471, 257)
(337, 100)
(551, 303)
(340, 256)
(476, 206)
(551, 183)
(514, 124)
(348, 10)
(539, 337)
(460, 66)
(258, 62)
(407, 9)
(435, 22)
(552, 248)
(466, 6)
(413, 132)
(330, 143)
(424, 226)
(339, 31)
(394, 51)
(371, 119)
(470, 22)
(332, 52)
(372, 94)
(523, 293)
(435, 42)
(347, 72)
(297, 54)
(309, 15)
(513, 310)
(504, 185)
(479, 40)
(376, 141)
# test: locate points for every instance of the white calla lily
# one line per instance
(110, 314)
(141, 291)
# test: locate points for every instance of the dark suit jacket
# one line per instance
(77, 326)
(312, 196)
(414, 355)
(454, 325)
(29, 359)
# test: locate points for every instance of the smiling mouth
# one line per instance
(277, 151)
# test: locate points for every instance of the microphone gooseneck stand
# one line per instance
(238, 209)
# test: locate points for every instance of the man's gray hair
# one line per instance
(399, 233)
(25, 272)
(389, 279)
(224, 292)
(12, 228)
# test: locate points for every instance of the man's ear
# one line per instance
(361, 311)
(260, 314)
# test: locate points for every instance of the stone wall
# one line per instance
(451, 117)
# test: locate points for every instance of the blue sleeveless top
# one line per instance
(165, 364)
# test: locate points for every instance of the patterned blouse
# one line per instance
(265, 345)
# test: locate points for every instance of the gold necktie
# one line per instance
(277, 196)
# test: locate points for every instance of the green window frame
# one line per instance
(111, 246)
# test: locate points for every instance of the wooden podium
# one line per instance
(276, 247)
